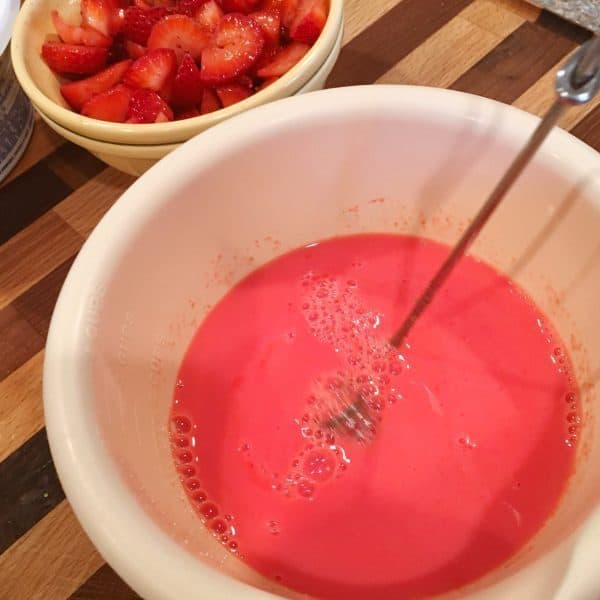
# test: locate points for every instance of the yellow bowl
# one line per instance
(128, 158)
(41, 85)
(137, 159)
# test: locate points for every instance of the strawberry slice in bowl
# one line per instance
(77, 93)
(187, 86)
(240, 6)
(154, 71)
(236, 46)
(181, 34)
(209, 14)
(231, 93)
(309, 21)
(283, 60)
(210, 101)
(104, 16)
(138, 22)
(72, 59)
(111, 105)
(270, 25)
(77, 35)
(147, 106)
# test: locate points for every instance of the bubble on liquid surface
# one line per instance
(218, 526)
(187, 470)
(199, 497)
(305, 488)
(181, 441)
(319, 465)
(467, 442)
(274, 527)
(209, 510)
(185, 457)
(181, 424)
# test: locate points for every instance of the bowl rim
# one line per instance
(149, 151)
(107, 511)
(173, 131)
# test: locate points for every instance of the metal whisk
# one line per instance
(577, 82)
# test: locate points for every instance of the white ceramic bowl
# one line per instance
(298, 170)
(33, 25)
(137, 159)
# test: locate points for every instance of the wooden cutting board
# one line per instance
(503, 49)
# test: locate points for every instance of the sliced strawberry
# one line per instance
(104, 16)
(142, 4)
(111, 105)
(230, 93)
(265, 58)
(134, 50)
(283, 60)
(309, 21)
(209, 15)
(189, 7)
(187, 87)
(153, 71)
(77, 93)
(271, 5)
(288, 9)
(181, 34)
(236, 46)
(240, 6)
(270, 25)
(210, 101)
(73, 34)
(245, 81)
(148, 107)
(72, 59)
(139, 22)
(187, 114)
(117, 51)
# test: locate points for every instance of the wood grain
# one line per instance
(27, 197)
(515, 64)
(103, 584)
(540, 96)
(30, 488)
(36, 304)
(21, 406)
(389, 39)
(50, 561)
(588, 129)
(503, 49)
(19, 341)
(84, 208)
(455, 47)
(33, 253)
(74, 165)
(360, 14)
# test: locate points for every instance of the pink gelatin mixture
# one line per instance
(476, 419)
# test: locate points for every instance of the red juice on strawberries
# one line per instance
(476, 420)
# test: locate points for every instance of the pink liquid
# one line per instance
(476, 421)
